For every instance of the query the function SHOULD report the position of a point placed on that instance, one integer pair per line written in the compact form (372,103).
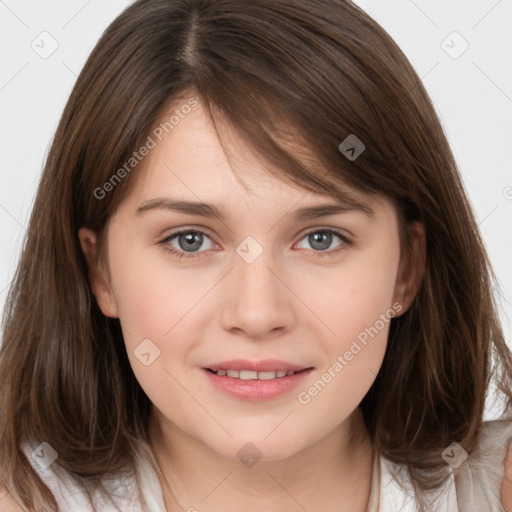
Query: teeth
(252,375)
(247,375)
(268,375)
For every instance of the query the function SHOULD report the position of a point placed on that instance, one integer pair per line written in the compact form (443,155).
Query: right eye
(186,242)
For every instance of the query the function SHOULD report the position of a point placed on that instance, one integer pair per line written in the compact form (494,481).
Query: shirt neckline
(374,499)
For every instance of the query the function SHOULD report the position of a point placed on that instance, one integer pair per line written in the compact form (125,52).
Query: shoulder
(493,445)
(491,464)
(8,503)
(482,481)
(118,492)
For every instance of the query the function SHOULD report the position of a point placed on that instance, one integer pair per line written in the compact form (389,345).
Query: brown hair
(328,70)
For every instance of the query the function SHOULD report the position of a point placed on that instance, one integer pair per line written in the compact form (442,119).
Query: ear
(412,267)
(97,276)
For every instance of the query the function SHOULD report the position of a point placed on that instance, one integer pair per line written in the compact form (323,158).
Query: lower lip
(256,390)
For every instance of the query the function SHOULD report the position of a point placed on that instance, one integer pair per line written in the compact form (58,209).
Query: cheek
(356,304)
(355,297)
(156,303)
(153,295)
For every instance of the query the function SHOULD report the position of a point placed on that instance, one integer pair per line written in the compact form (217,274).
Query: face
(260,284)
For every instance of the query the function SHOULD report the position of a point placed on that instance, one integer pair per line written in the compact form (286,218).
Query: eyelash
(346,242)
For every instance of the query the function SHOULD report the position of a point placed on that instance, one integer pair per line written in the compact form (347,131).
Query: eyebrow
(210,210)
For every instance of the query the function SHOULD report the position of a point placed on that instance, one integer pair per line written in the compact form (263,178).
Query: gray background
(472,92)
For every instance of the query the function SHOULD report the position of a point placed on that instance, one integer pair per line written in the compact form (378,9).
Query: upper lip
(267,365)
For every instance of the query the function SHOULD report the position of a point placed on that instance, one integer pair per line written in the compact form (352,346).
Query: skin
(294,302)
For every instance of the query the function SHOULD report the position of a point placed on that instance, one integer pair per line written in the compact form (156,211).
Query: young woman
(252,280)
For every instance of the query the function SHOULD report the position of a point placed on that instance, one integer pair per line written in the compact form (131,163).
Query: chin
(252,449)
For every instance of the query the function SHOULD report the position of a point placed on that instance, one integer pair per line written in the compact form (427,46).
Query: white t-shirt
(474,485)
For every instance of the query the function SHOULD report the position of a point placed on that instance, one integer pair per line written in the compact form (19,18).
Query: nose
(259,302)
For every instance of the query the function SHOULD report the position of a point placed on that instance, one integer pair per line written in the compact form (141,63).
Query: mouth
(254,375)
(256,380)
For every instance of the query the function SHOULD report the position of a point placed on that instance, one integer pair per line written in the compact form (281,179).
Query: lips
(254,375)
(256,380)
(268,365)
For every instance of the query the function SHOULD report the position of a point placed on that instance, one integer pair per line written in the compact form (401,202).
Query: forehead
(190,147)
(194,160)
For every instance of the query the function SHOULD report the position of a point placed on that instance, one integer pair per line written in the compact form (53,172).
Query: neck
(332,474)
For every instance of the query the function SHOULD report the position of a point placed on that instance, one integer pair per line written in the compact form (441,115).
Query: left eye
(321,239)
